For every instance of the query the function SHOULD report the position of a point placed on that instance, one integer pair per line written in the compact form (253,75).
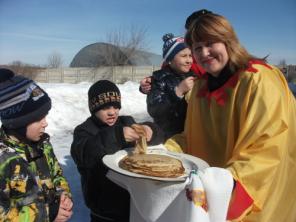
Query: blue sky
(30,30)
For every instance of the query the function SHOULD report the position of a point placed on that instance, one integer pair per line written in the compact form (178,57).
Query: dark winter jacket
(31,180)
(164,106)
(92,140)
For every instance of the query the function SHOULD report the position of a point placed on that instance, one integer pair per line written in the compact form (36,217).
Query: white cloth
(150,197)
(163,201)
(218,185)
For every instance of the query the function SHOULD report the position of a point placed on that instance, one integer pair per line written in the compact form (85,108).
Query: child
(32,186)
(166,102)
(105,132)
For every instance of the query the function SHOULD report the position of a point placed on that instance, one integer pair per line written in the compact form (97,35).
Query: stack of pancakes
(150,164)
(153,165)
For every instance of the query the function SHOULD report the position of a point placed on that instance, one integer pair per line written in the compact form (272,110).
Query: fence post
(62,74)
(47,78)
(133,74)
(94,75)
(113,74)
(77,74)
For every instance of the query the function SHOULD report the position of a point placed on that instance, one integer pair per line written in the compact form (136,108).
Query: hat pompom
(167,36)
(5,74)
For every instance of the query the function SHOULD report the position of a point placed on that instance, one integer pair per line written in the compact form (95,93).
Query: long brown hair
(216,28)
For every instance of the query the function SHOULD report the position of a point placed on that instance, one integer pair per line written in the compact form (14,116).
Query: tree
(124,45)
(24,69)
(283,67)
(282,63)
(55,60)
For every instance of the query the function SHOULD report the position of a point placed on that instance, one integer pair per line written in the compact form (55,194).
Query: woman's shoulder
(257,70)
(261,75)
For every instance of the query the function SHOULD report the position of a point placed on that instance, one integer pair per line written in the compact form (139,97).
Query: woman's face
(213,57)
(36,129)
(182,61)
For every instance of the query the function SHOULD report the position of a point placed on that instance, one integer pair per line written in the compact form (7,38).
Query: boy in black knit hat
(105,132)
(32,186)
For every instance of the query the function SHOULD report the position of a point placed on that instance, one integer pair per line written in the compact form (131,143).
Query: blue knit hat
(172,45)
(22,101)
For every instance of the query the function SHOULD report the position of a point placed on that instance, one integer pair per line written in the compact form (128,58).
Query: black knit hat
(22,101)
(102,94)
(195,16)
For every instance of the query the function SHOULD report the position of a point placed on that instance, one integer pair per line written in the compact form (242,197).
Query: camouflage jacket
(30,180)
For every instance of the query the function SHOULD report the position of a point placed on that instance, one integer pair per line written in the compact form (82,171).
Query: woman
(166,102)
(241,116)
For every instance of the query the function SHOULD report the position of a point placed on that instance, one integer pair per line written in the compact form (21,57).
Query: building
(105,54)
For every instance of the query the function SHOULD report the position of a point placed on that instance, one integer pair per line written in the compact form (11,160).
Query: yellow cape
(249,128)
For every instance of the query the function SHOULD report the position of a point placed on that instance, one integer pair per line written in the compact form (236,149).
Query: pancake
(141,144)
(153,165)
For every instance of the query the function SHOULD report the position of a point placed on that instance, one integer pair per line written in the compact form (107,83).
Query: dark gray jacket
(164,106)
(92,140)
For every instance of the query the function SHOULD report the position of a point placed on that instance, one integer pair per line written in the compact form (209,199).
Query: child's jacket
(31,180)
(92,140)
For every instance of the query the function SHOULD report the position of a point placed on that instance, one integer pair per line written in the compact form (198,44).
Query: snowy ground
(69,108)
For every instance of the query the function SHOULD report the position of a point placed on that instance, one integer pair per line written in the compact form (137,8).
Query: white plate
(189,162)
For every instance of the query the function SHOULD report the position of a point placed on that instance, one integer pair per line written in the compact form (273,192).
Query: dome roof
(104,54)
(95,55)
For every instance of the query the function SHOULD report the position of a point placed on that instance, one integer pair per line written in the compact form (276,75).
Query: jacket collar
(20,144)
(167,70)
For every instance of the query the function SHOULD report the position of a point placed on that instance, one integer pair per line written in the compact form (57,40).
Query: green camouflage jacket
(30,180)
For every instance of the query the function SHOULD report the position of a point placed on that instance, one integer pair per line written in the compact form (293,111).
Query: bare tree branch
(124,45)
(55,60)
(24,69)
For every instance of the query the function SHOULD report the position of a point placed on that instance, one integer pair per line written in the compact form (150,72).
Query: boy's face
(182,61)
(108,115)
(36,129)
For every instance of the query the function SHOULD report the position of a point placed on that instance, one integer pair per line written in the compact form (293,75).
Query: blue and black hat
(172,45)
(22,101)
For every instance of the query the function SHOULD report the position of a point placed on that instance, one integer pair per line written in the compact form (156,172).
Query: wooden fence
(117,74)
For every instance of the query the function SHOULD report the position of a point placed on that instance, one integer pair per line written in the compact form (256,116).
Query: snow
(70,108)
